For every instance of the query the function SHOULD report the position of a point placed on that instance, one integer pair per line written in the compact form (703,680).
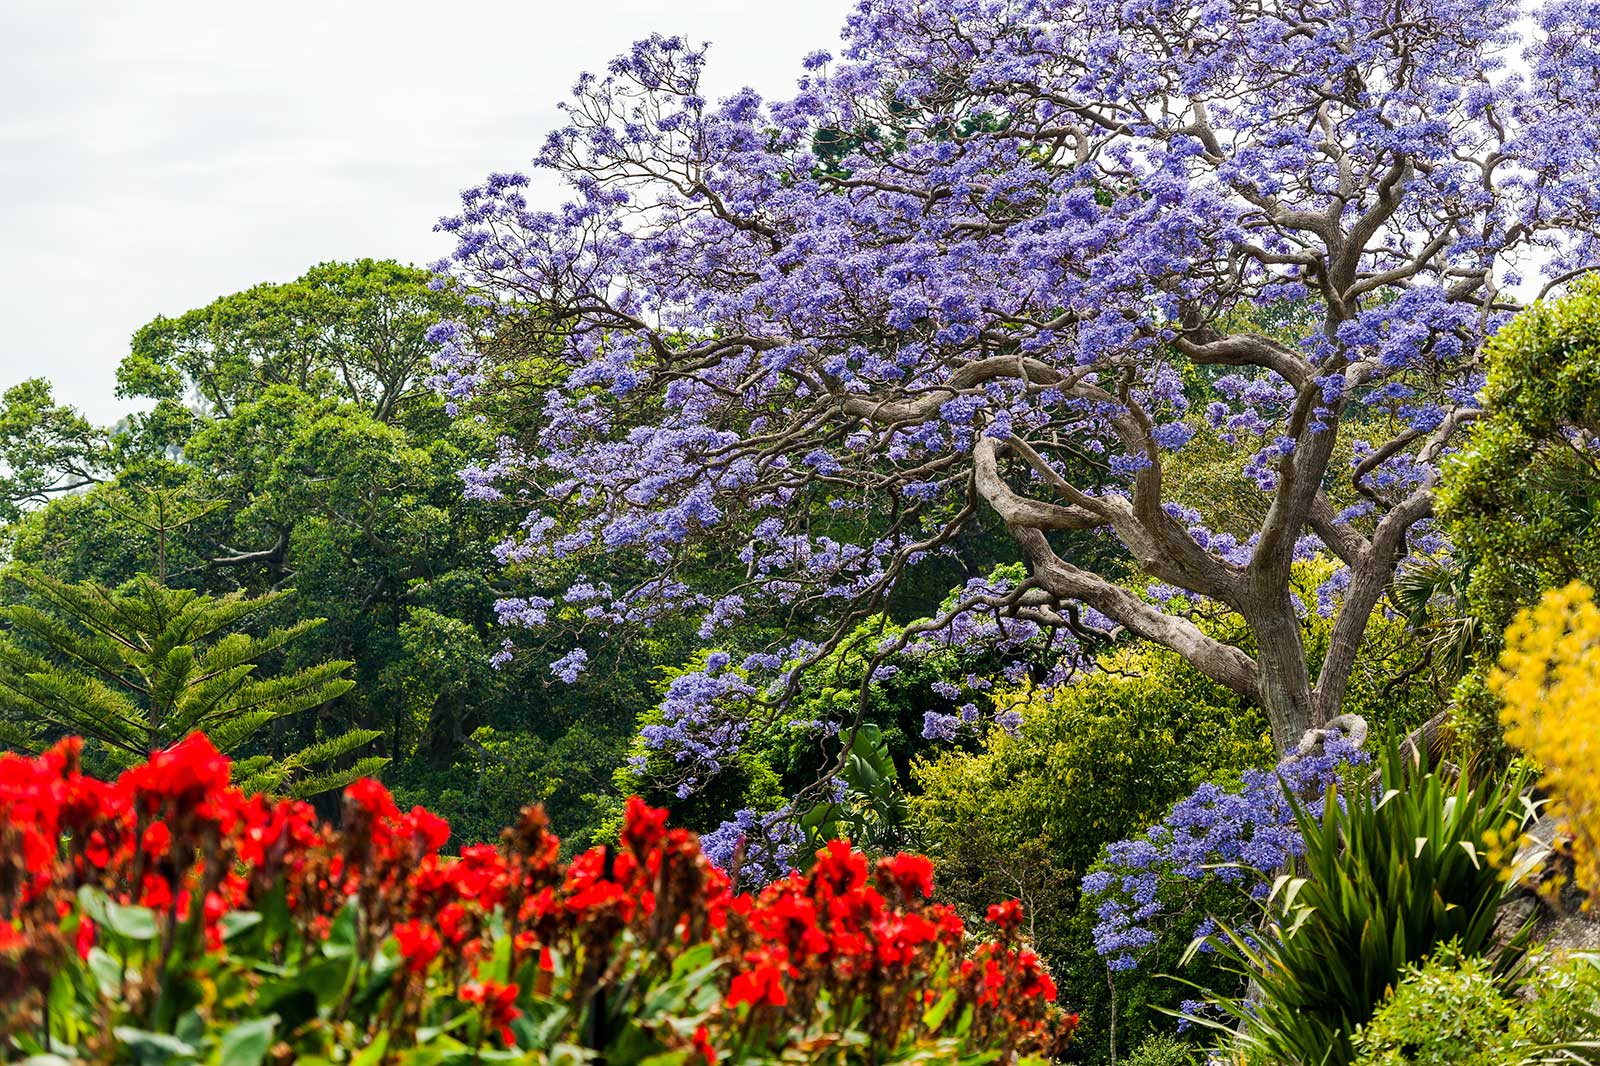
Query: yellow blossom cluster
(1549,681)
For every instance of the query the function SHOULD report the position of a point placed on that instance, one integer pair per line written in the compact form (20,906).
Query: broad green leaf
(372,1054)
(107,972)
(936,1014)
(247,1043)
(153,1047)
(135,923)
(235,922)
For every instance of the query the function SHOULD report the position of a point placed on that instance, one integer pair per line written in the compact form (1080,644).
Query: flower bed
(167,917)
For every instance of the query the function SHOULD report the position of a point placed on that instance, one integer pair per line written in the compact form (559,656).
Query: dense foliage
(167,917)
(1389,870)
(1523,500)
(1027,462)
(1454,1010)
(294,439)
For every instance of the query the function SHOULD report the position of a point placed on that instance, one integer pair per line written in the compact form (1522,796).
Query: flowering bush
(167,917)
(1216,837)
(1549,678)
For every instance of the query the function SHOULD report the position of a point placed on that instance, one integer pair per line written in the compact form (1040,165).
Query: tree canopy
(1522,500)
(1010,259)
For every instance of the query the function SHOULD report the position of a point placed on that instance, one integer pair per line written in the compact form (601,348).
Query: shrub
(1520,500)
(1164,1051)
(1093,760)
(1454,1010)
(166,917)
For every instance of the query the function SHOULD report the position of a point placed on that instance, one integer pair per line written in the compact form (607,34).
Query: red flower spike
(419,945)
(702,1045)
(156,840)
(370,796)
(643,826)
(762,986)
(190,776)
(1007,915)
(499,1003)
(911,874)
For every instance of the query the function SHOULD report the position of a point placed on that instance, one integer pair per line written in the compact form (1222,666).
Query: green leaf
(135,923)
(235,922)
(153,1047)
(936,1014)
(247,1043)
(341,940)
(92,901)
(372,1054)
(107,972)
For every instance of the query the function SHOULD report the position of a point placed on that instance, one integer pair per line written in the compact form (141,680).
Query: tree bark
(1284,685)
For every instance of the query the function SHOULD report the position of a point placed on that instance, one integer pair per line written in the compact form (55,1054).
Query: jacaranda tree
(1005,258)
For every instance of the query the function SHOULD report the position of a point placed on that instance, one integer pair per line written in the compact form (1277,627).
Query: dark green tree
(134,670)
(301,412)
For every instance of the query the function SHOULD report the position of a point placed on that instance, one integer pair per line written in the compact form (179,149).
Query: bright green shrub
(1164,1051)
(1095,761)
(1521,505)
(1454,1010)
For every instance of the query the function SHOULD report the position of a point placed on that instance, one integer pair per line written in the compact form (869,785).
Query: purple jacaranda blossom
(1003,259)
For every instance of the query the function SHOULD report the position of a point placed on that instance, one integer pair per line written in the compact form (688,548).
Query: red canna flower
(911,874)
(190,776)
(419,945)
(156,840)
(499,1004)
(1007,915)
(96,850)
(83,941)
(702,1045)
(371,797)
(839,868)
(426,830)
(761,986)
(643,826)
(454,922)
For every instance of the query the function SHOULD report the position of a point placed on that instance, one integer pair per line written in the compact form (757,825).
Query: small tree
(139,668)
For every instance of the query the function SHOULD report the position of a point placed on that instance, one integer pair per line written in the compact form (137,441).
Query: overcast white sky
(157,154)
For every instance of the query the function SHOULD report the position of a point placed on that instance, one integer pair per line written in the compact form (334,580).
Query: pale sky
(157,154)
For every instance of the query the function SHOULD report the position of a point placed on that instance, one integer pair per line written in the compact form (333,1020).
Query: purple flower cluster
(701,725)
(770,843)
(1233,838)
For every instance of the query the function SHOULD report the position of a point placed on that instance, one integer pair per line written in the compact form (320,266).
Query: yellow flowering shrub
(1549,680)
